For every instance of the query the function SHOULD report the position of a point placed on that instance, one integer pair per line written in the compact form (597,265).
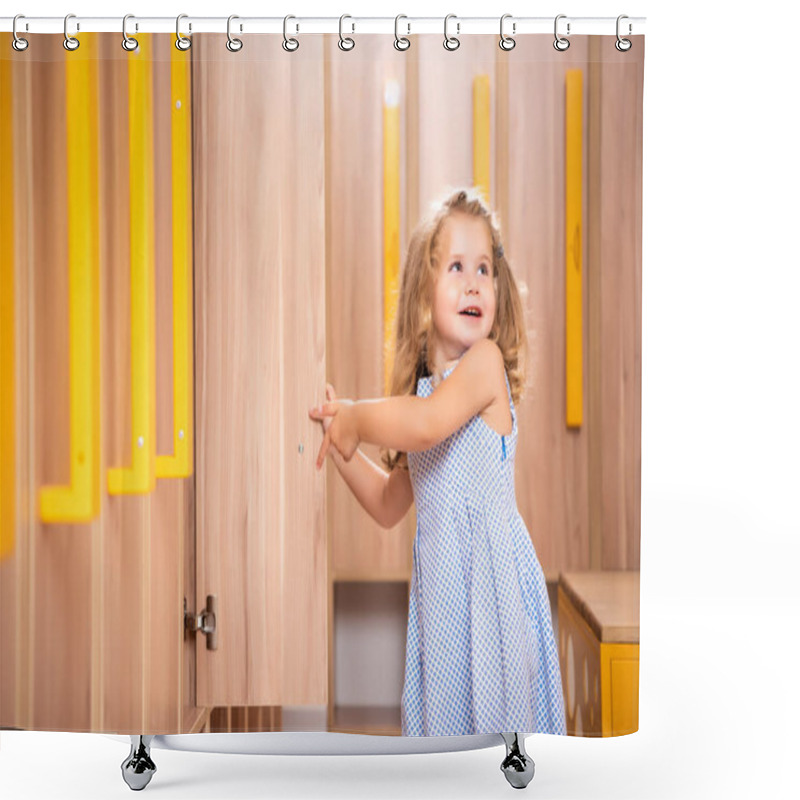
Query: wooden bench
(598,643)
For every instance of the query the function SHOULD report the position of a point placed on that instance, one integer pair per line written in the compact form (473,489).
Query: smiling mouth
(472,311)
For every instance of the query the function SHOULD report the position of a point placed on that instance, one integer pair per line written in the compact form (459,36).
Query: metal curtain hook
(234,45)
(506,42)
(561,43)
(289,44)
(128,43)
(451,42)
(345,43)
(181,42)
(623,45)
(70,42)
(401,43)
(18,44)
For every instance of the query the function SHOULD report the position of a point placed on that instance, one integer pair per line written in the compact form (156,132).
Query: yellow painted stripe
(140,476)
(180,464)
(80,501)
(481,142)
(391,220)
(574,248)
(619,688)
(8,481)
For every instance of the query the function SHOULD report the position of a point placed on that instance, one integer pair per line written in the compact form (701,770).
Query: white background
(719,610)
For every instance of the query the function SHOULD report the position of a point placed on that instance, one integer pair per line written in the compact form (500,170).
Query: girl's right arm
(385,497)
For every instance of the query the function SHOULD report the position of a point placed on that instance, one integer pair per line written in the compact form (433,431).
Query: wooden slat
(12,417)
(594,280)
(137,476)
(355,280)
(8,339)
(445,143)
(551,476)
(620,211)
(176,459)
(304,539)
(259,191)
(76,498)
(169,518)
(58,596)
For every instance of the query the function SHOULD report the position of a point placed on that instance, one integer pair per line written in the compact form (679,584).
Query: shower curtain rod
(513,26)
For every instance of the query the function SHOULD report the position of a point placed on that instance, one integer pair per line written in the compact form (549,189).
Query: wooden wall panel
(260,356)
(164,671)
(140,660)
(444,97)
(356,85)
(125,516)
(98,622)
(305,541)
(619,218)
(61,557)
(551,471)
(15,678)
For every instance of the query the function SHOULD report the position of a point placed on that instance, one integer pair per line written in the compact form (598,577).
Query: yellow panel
(80,500)
(179,465)
(8,481)
(619,688)
(391,219)
(481,143)
(574,248)
(140,476)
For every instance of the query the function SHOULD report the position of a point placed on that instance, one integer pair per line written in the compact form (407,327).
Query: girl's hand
(339,423)
(330,394)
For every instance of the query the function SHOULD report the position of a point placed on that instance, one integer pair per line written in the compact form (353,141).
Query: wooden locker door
(260,364)
(94,586)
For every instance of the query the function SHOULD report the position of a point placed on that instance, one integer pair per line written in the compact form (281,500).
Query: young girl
(480,651)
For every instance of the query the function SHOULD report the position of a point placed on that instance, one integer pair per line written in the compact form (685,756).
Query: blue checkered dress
(480,652)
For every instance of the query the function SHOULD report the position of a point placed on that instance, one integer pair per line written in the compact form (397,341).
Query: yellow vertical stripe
(8,448)
(481,142)
(391,220)
(140,476)
(574,247)
(180,464)
(80,501)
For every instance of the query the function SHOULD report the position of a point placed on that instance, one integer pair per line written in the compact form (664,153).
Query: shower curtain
(196,243)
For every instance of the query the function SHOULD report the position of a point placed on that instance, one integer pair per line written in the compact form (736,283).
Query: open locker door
(261,543)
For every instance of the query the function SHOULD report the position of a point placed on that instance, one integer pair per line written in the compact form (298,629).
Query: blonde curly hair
(414,319)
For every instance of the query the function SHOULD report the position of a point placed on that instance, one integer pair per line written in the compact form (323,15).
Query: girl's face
(464,295)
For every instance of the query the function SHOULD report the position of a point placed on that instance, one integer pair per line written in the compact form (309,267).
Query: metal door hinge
(204,622)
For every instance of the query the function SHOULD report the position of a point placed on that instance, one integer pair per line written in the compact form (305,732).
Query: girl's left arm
(410,423)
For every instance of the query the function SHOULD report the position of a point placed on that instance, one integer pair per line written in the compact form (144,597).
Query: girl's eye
(455,264)
(484,268)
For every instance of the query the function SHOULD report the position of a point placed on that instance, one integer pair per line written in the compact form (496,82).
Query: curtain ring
(401,43)
(70,42)
(506,42)
(128,42)
(234,45)
(18,44)
(451,42)
(561,44)
(181,42)
(289,44)
(623,45)
(345,43)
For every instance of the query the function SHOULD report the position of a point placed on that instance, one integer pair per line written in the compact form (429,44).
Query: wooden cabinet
(260,357)
(92,634)
(598,620)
